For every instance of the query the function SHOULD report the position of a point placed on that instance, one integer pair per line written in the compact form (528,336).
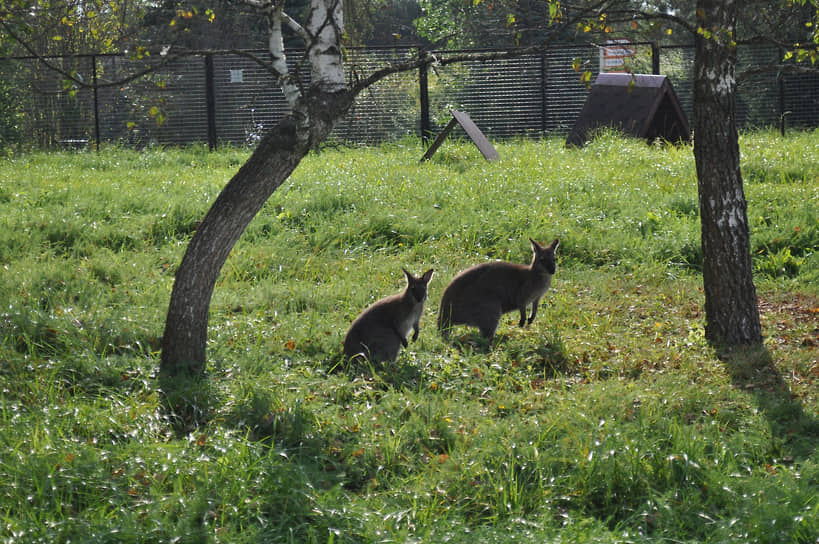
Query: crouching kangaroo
(380,331)
(479,295)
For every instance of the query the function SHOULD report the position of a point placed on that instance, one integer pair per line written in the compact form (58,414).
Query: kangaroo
(380,331)
(479,295)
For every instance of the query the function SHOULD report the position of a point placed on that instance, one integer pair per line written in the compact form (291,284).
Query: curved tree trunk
(731,310)
(276,156)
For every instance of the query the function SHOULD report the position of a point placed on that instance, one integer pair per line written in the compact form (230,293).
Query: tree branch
(427,57)
(68,75)
(294,25)
(745,75)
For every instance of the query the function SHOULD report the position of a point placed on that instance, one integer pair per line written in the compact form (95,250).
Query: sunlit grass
(609,419)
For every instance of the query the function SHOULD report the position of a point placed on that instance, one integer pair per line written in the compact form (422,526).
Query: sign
(614,54)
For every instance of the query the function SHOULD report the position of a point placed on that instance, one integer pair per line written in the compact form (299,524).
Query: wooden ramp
(471,129)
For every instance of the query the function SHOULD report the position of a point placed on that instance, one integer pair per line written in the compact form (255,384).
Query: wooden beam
(486,148)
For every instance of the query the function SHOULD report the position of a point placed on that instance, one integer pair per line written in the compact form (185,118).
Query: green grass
(609,419)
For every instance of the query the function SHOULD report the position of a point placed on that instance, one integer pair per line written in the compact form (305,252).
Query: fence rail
(229,98)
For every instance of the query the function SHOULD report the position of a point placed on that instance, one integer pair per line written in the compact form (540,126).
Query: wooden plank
(439,140)
(486,148)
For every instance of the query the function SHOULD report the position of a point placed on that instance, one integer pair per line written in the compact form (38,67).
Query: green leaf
(554,11)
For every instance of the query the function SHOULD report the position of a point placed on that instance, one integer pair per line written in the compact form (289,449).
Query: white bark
(286,81)
(325,26)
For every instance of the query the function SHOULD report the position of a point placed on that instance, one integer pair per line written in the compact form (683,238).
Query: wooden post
(486,148)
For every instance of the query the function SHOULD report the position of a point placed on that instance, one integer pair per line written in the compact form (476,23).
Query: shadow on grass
(187,402)
(753,369)
(399,373)
(541,352)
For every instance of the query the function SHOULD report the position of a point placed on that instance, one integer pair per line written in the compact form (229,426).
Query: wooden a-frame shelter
(639,105)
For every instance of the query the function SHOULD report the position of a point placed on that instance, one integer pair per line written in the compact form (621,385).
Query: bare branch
(438,59)
(745,75)
(625,15)
(294,25)
(68,75)
(429,58)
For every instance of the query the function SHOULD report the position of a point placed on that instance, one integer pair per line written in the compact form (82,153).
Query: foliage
(64,27)
(482,23)
(10,111)
(609,419)
(380,22)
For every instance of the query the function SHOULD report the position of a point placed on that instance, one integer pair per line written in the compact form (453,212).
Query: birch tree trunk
(315,111)
(731,309)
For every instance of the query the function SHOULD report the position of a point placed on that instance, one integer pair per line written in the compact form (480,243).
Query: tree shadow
(472,341)
(547,352)
(399,373)
(187,401)
(753,369)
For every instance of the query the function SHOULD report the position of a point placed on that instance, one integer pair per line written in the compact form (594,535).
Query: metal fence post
(210,99)
(96,102)
(655,58)
(423,83)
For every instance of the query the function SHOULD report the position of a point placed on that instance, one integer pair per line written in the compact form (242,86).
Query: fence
(229,98)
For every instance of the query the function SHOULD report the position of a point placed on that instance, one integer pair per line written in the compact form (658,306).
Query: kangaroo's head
(543,257)
(417,287)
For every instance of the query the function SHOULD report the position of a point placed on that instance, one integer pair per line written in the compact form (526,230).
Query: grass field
(608,420)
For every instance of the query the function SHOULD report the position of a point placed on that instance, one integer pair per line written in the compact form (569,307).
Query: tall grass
(609,419)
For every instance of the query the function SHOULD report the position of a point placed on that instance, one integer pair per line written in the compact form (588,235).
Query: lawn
(609,419)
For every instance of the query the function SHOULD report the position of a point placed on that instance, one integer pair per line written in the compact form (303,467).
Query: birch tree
(731,306)
(732,316)
(315,107)
(731,309)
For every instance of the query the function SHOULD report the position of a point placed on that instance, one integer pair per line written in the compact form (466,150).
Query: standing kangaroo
(380,331)
(479,295)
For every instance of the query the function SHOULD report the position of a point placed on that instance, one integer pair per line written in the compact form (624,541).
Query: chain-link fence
(231,98)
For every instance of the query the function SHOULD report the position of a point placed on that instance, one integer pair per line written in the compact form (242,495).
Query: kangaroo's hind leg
(487,320)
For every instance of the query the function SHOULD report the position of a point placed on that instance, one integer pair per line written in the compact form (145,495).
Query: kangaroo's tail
(444,316)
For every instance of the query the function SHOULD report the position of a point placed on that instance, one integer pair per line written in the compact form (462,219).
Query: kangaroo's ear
(554,244)
(409,276)
(427,275)
(535,246)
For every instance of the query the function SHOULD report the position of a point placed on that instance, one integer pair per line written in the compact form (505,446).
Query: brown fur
(479,295)
(380,331)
